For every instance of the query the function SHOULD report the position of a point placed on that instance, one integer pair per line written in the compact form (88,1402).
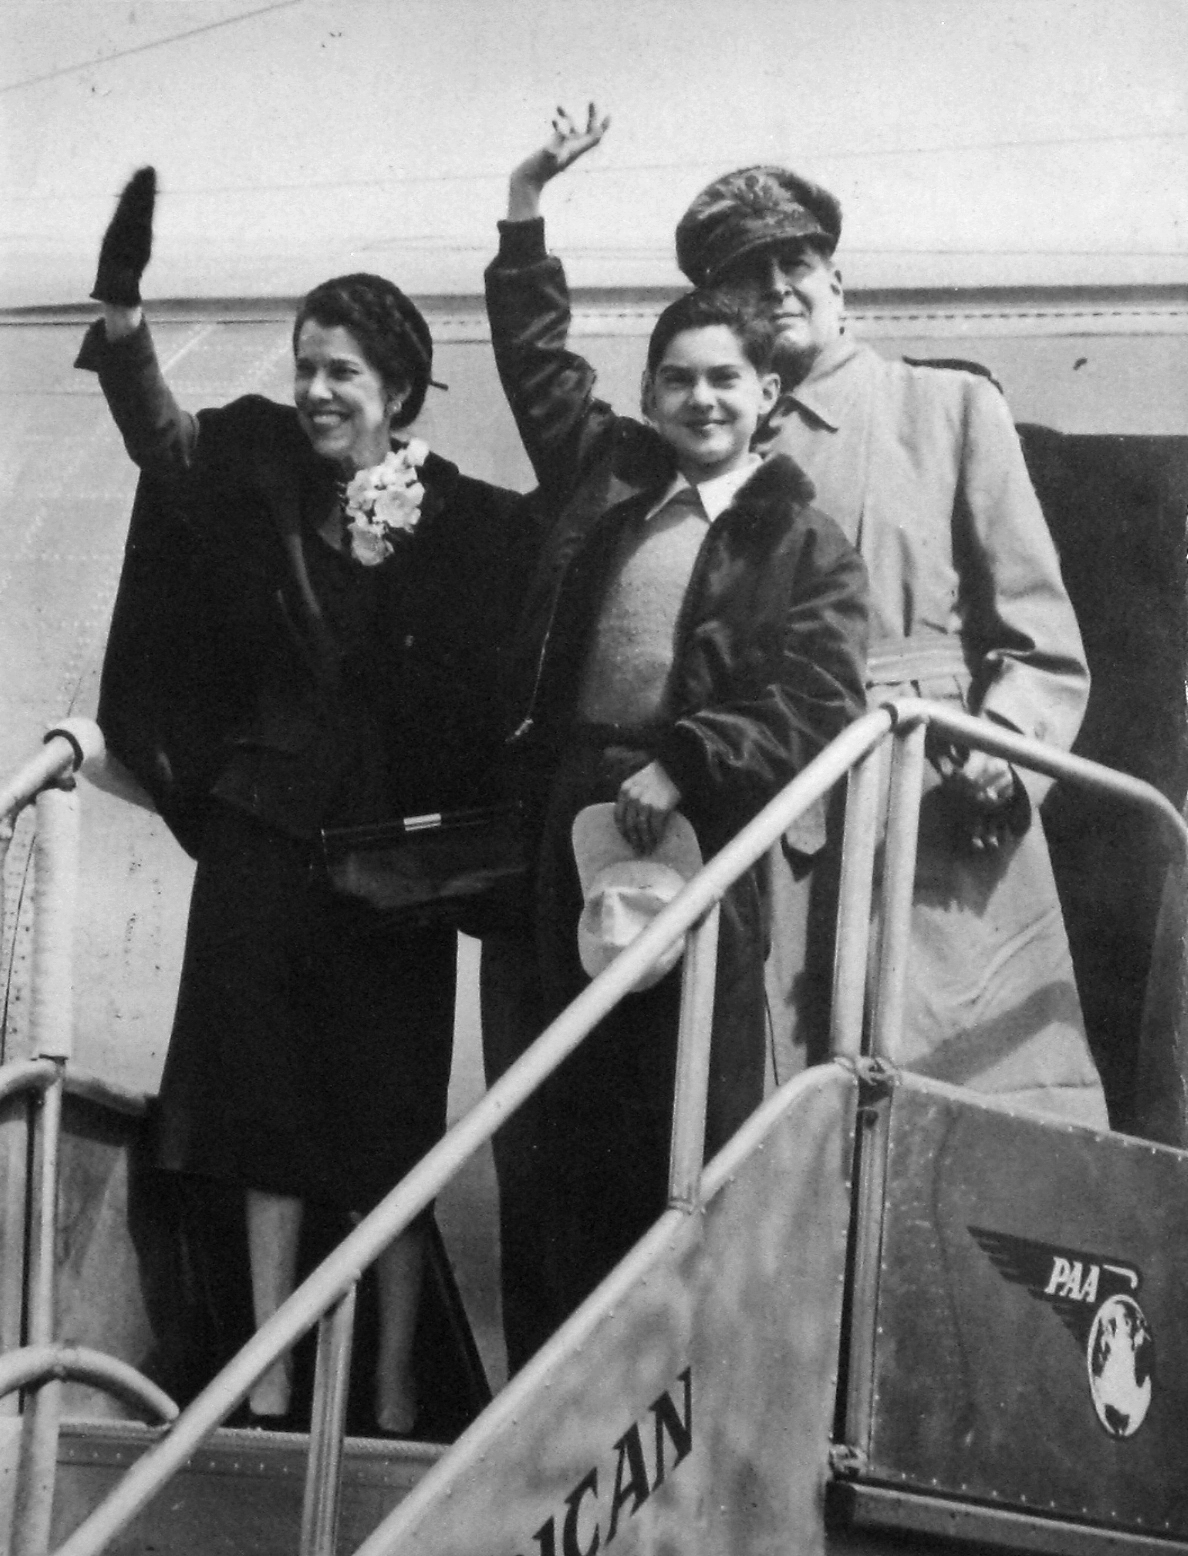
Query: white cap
(624,891)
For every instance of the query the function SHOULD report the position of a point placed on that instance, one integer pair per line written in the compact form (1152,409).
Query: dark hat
(748,210)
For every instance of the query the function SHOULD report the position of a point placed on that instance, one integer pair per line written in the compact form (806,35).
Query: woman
(274,669)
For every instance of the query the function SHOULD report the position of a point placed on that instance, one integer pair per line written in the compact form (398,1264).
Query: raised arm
(567,143)
(549,388)
(159,436)
(124,255)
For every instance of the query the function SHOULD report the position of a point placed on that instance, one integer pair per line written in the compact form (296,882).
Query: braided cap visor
(748,210)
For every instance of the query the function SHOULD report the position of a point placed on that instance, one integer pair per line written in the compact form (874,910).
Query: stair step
(240,1494)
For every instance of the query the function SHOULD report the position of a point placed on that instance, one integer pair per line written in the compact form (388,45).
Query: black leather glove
(128,242)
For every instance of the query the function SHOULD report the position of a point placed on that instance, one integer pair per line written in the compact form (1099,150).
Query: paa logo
(1095,1300)
(590,1521)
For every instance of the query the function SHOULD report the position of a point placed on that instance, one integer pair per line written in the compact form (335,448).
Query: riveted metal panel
(1031,1325)
(868,1520)
(240,1495)
(688,1405)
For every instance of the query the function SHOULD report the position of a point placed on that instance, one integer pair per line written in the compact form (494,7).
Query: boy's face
(705,399)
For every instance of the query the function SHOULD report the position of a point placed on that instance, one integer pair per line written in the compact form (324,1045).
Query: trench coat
(922,470)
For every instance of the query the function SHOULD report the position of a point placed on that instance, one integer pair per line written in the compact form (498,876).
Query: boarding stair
(889,1314)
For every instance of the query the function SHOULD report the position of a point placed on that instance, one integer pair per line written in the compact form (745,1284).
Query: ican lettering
(644,1456)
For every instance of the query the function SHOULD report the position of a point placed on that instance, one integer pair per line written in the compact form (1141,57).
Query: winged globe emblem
(1095,1298)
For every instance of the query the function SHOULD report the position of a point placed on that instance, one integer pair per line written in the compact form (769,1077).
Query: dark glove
(128,242)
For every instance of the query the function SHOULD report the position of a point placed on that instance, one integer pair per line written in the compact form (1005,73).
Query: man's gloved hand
(128,242)
(995,802)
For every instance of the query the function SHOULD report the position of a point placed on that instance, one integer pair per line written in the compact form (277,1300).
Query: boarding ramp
(1017,1345)
(885,1299)
(42,1363)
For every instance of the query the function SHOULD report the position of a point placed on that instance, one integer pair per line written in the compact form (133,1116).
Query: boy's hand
(644,804)
(567,143)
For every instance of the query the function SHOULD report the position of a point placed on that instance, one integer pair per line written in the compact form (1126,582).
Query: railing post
(899,875)
(1161,1090)
(323,1471)
(13,1180)
(52,1019)
(855,890)
(37,1458)
(6,830)
(55,895)
(698,981)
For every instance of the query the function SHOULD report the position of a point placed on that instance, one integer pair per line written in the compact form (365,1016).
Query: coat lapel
(777,486)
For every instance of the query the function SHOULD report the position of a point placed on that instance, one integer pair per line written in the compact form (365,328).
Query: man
(922,469)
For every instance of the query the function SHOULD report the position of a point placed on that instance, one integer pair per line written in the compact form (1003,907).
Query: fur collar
(779,479)
(646,464)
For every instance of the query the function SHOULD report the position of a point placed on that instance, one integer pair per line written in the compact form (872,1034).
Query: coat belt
(892,660)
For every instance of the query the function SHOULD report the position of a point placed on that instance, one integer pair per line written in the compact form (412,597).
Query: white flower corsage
(384,500)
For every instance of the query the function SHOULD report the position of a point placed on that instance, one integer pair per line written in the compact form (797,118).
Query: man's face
(800,291)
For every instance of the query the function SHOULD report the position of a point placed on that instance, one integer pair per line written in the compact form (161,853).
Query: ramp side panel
(689,1404)
(240,1495)
(1032,1315)
(118,1273)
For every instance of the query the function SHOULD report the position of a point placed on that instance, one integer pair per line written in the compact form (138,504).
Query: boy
(693,636)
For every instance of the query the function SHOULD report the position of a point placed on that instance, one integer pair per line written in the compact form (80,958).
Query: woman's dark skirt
(311,1048)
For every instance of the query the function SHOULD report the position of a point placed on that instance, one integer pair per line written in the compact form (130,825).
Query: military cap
(748,210)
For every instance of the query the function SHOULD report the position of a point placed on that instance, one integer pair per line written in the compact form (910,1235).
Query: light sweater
(627,669)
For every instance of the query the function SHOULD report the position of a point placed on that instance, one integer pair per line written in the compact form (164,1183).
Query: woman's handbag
(447,867)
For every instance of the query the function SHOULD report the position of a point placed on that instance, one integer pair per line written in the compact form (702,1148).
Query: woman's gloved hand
(128,242)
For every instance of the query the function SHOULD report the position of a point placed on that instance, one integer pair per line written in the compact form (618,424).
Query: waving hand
(128,242)
(569,141)
(565,145)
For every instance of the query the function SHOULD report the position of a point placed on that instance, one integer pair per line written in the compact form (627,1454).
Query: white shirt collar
(715,495)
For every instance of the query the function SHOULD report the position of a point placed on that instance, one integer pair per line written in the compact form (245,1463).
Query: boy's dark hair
(705,307)
(390,330)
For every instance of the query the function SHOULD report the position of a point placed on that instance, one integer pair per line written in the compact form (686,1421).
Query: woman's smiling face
(342,403)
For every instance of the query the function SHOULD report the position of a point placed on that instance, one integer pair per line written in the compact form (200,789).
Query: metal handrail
(41,1365)
(982,735)
(63,751)
(34,1364)
(335,1279)
(37,1075)
(343,1267)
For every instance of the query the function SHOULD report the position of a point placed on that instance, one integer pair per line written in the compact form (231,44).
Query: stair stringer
(688,1404)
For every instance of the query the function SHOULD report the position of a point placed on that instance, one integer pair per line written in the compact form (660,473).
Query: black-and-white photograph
(593,769)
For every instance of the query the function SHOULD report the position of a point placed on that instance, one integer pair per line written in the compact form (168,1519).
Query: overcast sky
(969,140)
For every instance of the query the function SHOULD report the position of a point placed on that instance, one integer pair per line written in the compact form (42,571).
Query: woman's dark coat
(261,685)
(220,675)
